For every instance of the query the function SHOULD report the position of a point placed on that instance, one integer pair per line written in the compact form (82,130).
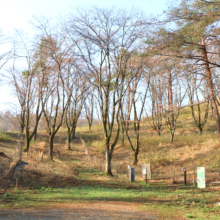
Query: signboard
(144,171)
(201,177)
(132,174)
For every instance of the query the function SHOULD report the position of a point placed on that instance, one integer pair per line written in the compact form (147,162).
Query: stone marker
(132,174)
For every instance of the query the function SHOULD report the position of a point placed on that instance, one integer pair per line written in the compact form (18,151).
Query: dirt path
(88,211)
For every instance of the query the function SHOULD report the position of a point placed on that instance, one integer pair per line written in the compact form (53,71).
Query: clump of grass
(90,138)
(99,145)
(4,137)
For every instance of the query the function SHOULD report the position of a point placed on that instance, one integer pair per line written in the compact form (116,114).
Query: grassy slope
(189,147)
(171,201)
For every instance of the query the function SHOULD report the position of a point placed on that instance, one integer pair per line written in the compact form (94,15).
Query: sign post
(132,174)
(201,177)
(184,170)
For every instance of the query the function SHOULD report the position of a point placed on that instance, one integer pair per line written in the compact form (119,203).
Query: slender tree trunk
(27,142)
(122,134)
(200,130)
(171,136)
(90,126)
(22,128)
(68,139)
(171,109)
(51,138)
(136,151)
(74,132)
(68,142)
(211,88)
(35,135)
(108,159)
(136,156)
(211,110)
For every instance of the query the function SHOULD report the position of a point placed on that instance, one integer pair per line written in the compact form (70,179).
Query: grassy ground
(71,179)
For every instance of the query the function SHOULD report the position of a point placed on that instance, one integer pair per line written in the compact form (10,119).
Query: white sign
(145,171)
(201,177)
(128,166)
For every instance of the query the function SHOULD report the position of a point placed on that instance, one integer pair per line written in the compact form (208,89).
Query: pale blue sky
(18,13)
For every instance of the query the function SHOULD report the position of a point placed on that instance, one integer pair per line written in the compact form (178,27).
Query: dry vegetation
(84,171)
(189,150)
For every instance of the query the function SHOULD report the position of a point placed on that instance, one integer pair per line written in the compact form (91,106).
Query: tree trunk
(212,110)
(90,126)
(171,109)
(27,143)
(211,88)
(171,136)
(122,134)
(74,132)
(108,170)
(22,128)
(68,141)
(35,135)
(136,157)
(51,146)
(200,130)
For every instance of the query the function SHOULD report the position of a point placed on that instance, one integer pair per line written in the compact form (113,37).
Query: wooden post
(194,179)
(145,174)
(184,170)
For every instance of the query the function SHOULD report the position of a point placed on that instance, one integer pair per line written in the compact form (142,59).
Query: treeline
(120,66)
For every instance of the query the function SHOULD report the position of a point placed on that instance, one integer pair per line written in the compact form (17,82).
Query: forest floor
(72,188)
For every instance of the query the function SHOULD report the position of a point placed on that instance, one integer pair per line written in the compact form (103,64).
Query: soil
(88,211)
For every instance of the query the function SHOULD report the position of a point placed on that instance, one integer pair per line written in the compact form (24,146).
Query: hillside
(77,176)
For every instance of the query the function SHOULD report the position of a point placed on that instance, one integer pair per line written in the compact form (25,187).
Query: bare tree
(174,98)
(106,39)
(75,107)
(158,98)
(57,84)
(89,106)
(138,99)
(28,87)
(199,99)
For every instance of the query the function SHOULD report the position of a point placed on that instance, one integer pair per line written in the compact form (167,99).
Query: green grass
(4,137)
(169,200)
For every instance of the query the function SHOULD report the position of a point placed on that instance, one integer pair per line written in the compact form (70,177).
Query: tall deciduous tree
(28,85)
(74,109)
(137,97)
(58,84)
(106,39)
